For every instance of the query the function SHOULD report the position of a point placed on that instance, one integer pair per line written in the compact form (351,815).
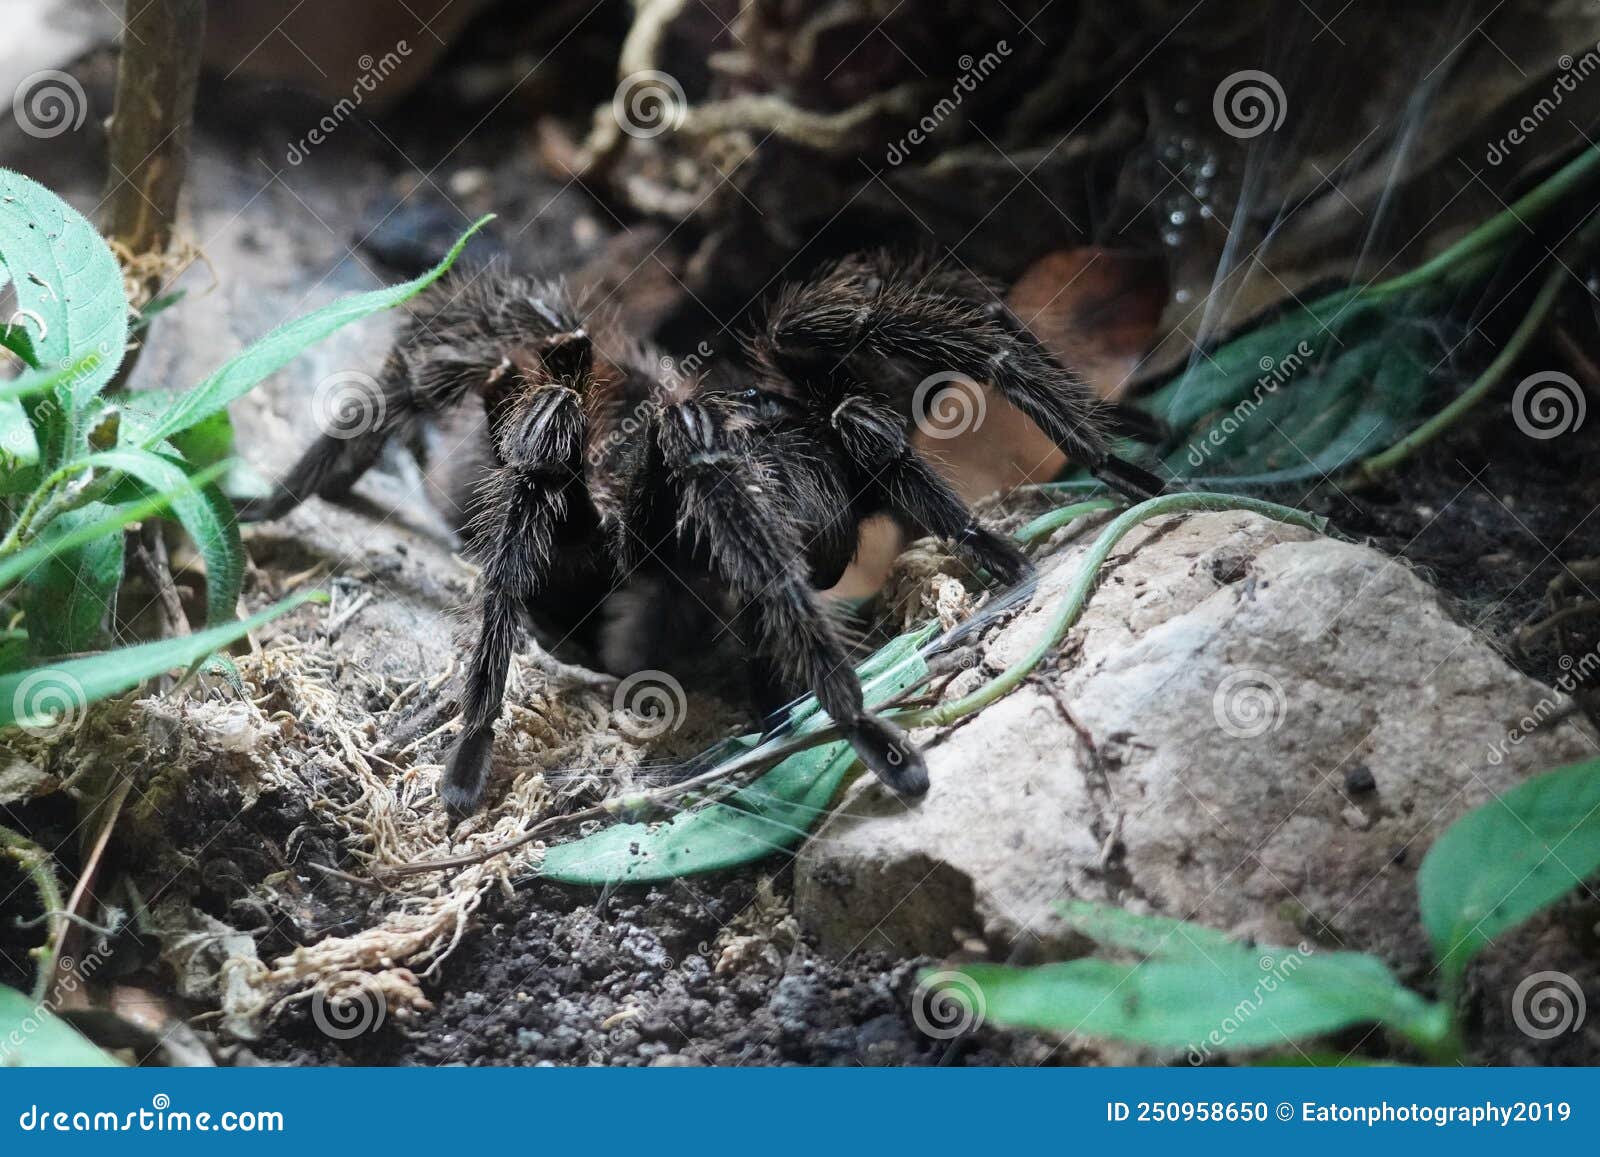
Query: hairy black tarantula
(597,465)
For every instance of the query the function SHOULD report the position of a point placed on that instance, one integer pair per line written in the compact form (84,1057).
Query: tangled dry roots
(201,760)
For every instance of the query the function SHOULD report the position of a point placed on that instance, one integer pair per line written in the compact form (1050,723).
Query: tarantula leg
(339,457)
(725,505)
(874,439)
(525,502)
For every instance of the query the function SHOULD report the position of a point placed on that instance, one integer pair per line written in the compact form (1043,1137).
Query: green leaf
(1195,990)
(33,1037)
(69,297)
(771,814)
(1502,862)
(71,596)
(32,697)
(206,516)
(1305,395)
(283,344)
(58,542)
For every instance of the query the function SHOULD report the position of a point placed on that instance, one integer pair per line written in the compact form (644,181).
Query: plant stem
(35,861)
(1078,595)
(1369,471)
(1048,523)
(1495,230)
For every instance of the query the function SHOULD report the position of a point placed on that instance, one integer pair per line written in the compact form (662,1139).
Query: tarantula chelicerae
(598,468)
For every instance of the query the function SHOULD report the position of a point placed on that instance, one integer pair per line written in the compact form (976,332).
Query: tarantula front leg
(524,505)
(338,458)
(874,439)
(726,506)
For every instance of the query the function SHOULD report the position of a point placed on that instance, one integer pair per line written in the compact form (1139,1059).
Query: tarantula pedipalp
(602,471)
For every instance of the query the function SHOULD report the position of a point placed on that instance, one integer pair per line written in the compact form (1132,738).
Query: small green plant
(79,464)
(1193,989)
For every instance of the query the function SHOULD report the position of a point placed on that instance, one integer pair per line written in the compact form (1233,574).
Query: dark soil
(545,978)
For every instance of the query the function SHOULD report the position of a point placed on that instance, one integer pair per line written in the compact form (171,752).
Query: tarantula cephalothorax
(599,469)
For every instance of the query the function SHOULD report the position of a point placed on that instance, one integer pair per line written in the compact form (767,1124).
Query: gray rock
(1188,755)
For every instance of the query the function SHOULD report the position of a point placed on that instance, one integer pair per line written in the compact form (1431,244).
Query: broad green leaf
(57,541)
(286,342)
(1502,862)
(71,596)
(69,296)
(771,814)
(1195,990)
(1304,395)
(37,696)
(31,1036)
(206,516)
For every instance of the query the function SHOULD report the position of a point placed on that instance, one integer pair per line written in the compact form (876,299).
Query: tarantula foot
(466,773)
(1132,481)
(267,507)
(891,756)
(997,556)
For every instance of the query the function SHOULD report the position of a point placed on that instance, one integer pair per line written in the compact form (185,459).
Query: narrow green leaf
(1514,856)
(31,1036)
(36,696)
(283,344)
(58,542)
(206,517)
(771,814)
(1196,990)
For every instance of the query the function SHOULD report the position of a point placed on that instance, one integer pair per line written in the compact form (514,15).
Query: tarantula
(598,467)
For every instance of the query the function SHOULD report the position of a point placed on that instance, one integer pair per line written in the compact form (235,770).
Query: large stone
(1251,726)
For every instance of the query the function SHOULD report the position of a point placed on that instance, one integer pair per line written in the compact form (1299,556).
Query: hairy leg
(526,501)
(727,510)
(862,313)
(874,440)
